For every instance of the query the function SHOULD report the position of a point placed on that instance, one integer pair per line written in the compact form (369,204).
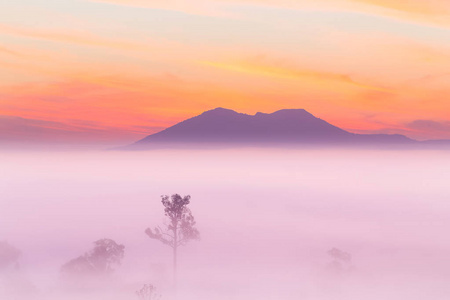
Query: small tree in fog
(99,261)
(9,256)
(341,261)
(181,227)
(12,280)
(148,292)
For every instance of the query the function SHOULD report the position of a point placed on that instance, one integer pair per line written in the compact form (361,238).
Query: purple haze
(267,220)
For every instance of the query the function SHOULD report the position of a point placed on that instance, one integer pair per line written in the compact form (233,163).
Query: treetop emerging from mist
(181,227)
(340,255)
(9,255)
(98,261)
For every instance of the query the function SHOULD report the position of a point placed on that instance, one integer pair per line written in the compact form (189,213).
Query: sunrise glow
(114,71)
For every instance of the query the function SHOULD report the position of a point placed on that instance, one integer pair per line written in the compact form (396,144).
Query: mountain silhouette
(222,126)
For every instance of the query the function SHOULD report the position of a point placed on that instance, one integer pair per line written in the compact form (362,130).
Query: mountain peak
(290,113)
(285,126)
(299,112)
(220,111)
(291,110)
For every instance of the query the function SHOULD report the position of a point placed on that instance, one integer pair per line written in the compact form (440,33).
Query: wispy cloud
(194,7)
(421,7)
(288,73)
(16,129)
(431,11)
(79,38)
(8,51)
(420,129)
(429,125)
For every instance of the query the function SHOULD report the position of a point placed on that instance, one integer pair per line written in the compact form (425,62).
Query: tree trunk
(175,246)
(175,266)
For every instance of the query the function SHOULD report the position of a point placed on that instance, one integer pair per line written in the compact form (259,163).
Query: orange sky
(112,71)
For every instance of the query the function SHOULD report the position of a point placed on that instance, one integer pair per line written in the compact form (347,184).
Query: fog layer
(267,219)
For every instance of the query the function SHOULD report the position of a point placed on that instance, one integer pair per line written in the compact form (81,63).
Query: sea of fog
(267,220)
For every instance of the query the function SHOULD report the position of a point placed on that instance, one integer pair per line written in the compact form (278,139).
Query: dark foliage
(148,292)
(99,261)
(9,256)
(181,227)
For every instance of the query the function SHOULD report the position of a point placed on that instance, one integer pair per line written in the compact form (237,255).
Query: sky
(114,71)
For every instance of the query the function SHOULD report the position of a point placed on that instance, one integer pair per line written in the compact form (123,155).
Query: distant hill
(436,144)
(226,127)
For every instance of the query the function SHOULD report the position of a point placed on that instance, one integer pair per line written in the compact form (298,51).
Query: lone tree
(181,226)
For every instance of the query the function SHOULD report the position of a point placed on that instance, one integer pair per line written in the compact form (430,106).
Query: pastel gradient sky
(113,71)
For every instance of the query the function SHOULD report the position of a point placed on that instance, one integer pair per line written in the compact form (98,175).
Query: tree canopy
(98,261)
(9,255)
(181,226)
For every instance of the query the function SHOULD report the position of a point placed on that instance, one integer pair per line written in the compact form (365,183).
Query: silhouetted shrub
(9,256)
(95,266)
(148,292)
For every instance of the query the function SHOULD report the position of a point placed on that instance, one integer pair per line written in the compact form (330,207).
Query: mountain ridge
(222,126)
